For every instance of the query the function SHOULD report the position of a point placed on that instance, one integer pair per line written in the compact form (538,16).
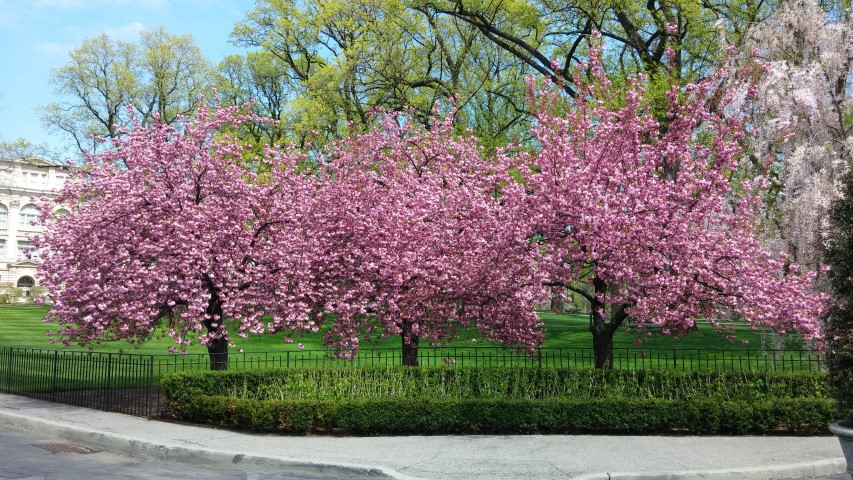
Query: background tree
(657,245)
(161,74)
(802,118)
(346,58)
(22,148)
(259,78)
(551,37)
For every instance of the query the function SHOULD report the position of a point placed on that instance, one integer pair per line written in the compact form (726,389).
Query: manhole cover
(65,448)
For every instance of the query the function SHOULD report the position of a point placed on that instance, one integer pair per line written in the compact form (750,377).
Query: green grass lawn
(22,326)
(568,343)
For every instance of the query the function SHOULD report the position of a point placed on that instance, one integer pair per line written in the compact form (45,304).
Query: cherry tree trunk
(410,346)
(218,351)
(602,329)
(602,344)
(557,305)
(218,348)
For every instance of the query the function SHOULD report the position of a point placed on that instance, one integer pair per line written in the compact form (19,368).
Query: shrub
(839,321)
(501,400)
(398,416)
(498,383)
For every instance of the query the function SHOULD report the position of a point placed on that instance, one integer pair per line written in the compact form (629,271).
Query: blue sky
(36,36)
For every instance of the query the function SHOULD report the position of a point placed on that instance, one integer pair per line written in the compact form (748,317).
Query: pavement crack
(411,465)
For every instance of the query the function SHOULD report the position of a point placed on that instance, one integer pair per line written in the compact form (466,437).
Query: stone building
(21,181)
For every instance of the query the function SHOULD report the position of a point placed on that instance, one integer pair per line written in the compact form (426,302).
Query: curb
(129,446)
(122,444)
(794,470)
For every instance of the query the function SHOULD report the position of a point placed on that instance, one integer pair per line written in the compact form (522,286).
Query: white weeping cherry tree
(804,115)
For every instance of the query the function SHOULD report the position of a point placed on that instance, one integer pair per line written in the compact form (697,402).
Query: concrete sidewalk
(437,457)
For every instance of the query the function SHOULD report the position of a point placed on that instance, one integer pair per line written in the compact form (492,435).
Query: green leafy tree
(258,78)
(550,37)
(344,59)
(161,74)
(22,148)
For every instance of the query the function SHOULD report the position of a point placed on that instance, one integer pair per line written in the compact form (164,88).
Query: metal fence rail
(128,383)
(104,381)
(632,358)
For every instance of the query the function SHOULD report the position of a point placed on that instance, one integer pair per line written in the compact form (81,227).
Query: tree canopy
(419,232)
(400,234)
(802,119)
(345,58)
(160,75)
(644,222)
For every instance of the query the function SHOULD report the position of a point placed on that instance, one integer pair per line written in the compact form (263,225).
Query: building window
(4,215)
(36,180)
(2,250)
(26,251)
(29,217)
(26,282)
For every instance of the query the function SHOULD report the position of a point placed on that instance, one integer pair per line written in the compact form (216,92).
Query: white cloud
(9,14)
(127,32)
(53,48)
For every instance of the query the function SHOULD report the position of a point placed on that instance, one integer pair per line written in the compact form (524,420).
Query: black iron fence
(622,358)
(104,381)
(128,383)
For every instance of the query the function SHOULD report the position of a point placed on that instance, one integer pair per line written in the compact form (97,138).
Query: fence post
(9,371)
(150,393)
(53,376)
(109,377)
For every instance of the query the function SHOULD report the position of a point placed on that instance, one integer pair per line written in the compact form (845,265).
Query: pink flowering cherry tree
(432,248)
(175,226)
(399,231)
(643,222)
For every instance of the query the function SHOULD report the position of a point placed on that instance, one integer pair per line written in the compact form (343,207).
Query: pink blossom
(644,222)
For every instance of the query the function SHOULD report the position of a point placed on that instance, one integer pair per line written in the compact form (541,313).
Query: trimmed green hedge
(495,383)
(445,416)
(403,400)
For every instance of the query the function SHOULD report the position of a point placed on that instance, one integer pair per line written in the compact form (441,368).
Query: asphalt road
(30,456)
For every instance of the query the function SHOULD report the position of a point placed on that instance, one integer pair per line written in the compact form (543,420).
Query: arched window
(29,216)
(4,215)
(61,212)
(26,282)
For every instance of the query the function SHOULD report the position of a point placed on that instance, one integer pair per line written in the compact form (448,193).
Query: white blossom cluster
(803,108)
